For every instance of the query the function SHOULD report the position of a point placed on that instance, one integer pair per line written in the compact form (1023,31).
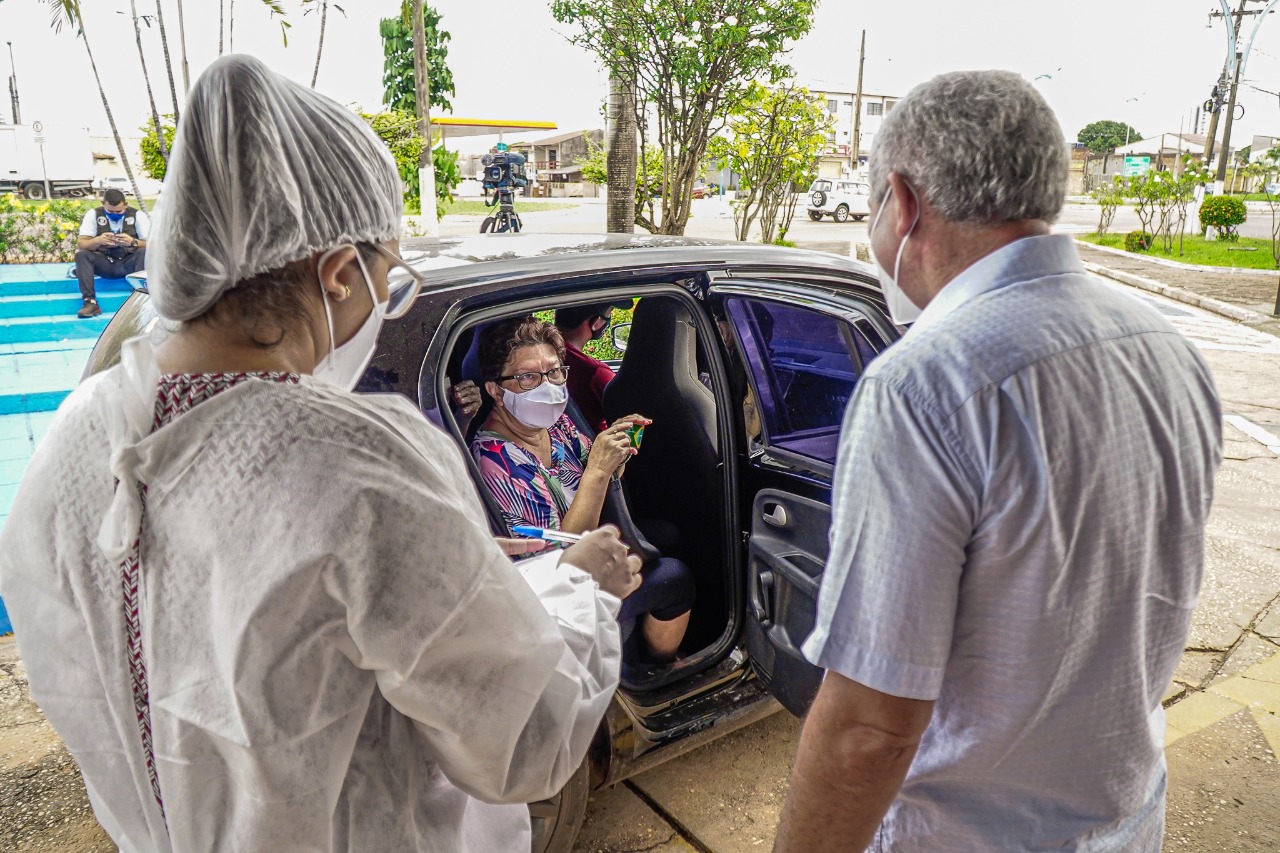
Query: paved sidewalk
(1252,295)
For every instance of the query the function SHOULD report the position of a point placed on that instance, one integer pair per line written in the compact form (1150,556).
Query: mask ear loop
(324,297)
(897,261)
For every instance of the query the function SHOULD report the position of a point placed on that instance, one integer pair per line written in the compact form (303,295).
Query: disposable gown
(339,655)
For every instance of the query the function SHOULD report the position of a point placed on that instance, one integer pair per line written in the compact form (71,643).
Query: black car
(719,329)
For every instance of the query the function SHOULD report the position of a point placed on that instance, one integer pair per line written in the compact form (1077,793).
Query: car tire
(841,214)
(556,821)
(819,198)
(486,225)
(815,215)
(34,191)
(858,217)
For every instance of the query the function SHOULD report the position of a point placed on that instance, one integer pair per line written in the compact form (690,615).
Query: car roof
(452,260)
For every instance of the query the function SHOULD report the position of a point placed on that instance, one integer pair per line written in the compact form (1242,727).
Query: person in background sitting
(587,376)
(112,244)
(542,472)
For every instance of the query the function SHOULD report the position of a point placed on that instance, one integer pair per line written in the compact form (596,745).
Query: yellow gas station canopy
(451,127)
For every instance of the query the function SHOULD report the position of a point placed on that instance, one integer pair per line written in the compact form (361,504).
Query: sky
(1147,62)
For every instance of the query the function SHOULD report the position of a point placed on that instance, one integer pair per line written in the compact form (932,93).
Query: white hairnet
(264,171)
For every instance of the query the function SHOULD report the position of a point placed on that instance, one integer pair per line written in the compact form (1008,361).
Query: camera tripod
(505,218)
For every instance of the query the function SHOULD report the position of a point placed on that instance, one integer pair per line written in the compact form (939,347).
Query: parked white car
(839,200)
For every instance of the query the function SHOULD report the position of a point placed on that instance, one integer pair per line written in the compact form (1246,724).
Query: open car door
(803,352)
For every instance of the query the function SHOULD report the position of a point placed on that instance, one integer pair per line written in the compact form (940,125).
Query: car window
(804,365)
(845,188)
(820,186)
(862,189)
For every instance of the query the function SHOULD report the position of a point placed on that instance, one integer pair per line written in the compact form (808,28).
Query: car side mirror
(620,334)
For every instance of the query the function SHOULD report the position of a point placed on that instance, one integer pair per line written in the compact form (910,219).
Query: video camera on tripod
(503,173)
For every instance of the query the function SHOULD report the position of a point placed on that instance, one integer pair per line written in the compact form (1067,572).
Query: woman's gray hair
(979,146)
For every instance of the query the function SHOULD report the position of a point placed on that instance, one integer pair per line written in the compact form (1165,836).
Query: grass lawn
(475,206)
(1197,250)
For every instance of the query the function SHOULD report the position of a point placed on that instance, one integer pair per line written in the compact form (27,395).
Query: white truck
(30,154)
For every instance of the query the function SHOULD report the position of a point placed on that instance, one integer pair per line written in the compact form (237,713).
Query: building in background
(555,163)
(836,161)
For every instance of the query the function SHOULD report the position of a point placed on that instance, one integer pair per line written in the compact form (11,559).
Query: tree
(397,69)
(162,143)
(168,63)
(68,12)
(648,182)
(1266,169)
(776,136)
(310,6)
(1109,197)
(691,64)
(399,130)
(1102,137)
(155,164)
(622,144)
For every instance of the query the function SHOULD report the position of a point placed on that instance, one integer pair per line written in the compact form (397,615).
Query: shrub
(1224,213)
(44,233)
(1138,241)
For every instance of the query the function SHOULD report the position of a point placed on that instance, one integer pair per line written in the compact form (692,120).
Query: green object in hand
(636,434)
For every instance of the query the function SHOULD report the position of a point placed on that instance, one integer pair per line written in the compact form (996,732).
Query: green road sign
(502,146)
(1134,166)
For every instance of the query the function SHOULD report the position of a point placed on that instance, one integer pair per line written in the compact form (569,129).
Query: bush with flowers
(39,234)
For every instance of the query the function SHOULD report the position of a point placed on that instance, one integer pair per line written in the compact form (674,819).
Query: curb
(1178,264)
(1208,303)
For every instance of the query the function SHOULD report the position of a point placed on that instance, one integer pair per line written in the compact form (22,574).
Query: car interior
(673,497)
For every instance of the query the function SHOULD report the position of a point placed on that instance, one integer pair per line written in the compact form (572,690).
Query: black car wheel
(819,198)
(815,215)
(34,191)
(858,217)
(842,213)
(556,821)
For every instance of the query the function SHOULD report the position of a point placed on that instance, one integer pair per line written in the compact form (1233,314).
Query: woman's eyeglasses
(531,380)
(404,283)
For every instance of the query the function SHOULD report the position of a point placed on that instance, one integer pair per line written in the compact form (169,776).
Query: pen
(543,533)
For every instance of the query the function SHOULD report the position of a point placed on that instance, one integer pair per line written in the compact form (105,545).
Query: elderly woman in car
(542,472)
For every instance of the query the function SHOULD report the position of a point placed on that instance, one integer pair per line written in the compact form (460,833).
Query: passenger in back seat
(541,471)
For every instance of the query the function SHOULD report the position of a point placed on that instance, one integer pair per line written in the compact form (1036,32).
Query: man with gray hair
(1019,512)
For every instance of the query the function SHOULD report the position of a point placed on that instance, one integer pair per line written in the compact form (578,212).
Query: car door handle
(776,515)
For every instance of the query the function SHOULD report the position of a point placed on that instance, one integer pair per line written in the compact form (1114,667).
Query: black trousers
(90,263)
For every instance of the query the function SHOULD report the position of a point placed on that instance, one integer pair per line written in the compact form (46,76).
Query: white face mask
(539,408)
(901,309)
(345,364)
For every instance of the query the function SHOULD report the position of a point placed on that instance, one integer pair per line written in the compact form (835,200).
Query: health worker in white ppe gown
(266,613)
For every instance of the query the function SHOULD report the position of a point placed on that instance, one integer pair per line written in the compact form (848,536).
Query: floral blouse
(527,491)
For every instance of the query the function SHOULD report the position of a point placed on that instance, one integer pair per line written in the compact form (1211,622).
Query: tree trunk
(222,26)
(168,67)
(111,119)
(324,15)
(422,94)
(622,154)
(231,26)
(182,43)
(146,78)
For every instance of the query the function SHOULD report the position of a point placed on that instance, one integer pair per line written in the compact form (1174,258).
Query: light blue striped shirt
(1018,533)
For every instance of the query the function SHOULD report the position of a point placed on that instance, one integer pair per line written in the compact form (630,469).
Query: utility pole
(856,142)
(13,87)
(1212,132)
(1236,60)
(422,94)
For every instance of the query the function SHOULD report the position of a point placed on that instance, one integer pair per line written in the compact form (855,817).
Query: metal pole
(1225,154)
(856,142)
(13,87)
(44,171)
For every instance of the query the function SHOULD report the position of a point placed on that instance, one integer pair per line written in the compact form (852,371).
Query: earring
(346,291)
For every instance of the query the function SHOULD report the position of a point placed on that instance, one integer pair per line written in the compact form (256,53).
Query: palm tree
(324,15)
(68,12)
(182,39)
(168,64)
(620,213)
(146,78)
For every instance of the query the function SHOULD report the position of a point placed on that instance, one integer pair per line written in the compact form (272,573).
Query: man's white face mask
(345,364)
(901,309)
